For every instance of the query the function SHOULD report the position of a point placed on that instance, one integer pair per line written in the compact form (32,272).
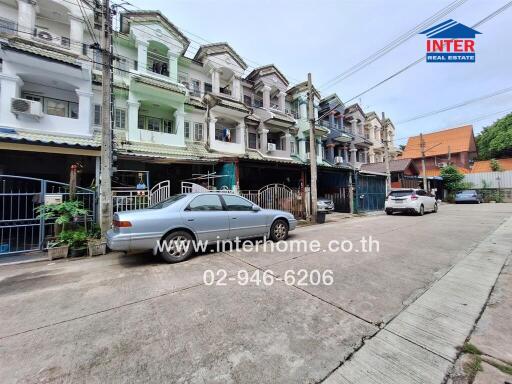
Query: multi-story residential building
(174,117)
(46,92)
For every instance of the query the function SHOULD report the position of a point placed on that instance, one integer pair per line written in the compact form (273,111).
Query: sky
(327,37)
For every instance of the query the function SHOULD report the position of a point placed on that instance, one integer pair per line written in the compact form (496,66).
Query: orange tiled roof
(437,171)
(459,139)
(485,165)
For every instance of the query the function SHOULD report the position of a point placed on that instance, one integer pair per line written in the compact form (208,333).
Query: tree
(452,179)
(495,165)
(496,139)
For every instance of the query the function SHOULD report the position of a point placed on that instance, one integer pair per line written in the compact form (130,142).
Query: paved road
(135,319)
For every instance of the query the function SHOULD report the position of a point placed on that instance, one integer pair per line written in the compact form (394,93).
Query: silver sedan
(195,218)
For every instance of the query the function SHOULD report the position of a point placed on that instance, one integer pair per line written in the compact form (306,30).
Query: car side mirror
(256,208)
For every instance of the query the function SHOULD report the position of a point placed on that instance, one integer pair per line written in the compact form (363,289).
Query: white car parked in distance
(410,200)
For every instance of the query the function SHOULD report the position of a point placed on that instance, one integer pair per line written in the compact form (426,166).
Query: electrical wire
(394,44)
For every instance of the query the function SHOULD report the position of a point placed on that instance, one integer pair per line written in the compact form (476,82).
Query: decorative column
(287,148)
(319,149)
(282,100)
(372,156)
(371,131)
(179,121)
(26,17)
(365,157)
(240,137)
(84,109)
(330,152)
(360,129)
(353,126)
(76,34)
(263,138)
(236,88)
(345,153)
(331,120)
(215,80)
(211,129)
(266,96)
(142,56)
(353,154)
(133,118)
(173,66)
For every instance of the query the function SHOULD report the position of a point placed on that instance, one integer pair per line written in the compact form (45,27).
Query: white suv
(416,201)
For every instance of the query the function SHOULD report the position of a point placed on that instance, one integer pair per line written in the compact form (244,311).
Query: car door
(426,199)
(206,216)
(243,220)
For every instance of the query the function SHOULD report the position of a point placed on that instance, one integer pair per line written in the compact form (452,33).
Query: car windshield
(403,193)
(468,192)
(166,203)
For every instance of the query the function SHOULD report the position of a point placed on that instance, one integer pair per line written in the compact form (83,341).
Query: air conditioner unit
(26,107)
(271,147)
(338,159)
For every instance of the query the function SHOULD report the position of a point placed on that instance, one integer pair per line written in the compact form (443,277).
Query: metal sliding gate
(278,196)
(371,192)
(20,228)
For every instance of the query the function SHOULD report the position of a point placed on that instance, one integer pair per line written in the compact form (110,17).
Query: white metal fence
(490,179)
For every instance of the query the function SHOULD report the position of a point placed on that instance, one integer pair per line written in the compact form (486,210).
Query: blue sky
(326,37)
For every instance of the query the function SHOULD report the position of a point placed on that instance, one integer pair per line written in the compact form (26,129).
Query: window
(207,87)
(258,102)
(247,99)
(198,132)
(196,88)
(210,202)
(168,127)
(97,114)
(187,130)
(225,134)
(282,142)
(153,124)
(236,203)
(55,107)
(292,147)
(98,59)
(120,118)
(253,140)
(140,122)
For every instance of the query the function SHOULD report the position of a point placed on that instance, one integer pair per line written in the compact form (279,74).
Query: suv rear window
(401,193)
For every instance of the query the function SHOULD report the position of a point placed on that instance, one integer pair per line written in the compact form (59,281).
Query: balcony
(8,27)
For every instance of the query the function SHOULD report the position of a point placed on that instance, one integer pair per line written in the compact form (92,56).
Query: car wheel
(422,210)
(177,246)
(389,212)
(279,230)
(435,208)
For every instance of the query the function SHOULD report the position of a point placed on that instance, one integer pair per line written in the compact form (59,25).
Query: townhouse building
(175,117)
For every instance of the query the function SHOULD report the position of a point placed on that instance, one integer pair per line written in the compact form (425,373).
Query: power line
(455,106)
(393,44)
(484,20)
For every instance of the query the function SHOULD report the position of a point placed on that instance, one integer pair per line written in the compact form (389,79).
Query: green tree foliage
(452,178)
(496,139)
(495,165)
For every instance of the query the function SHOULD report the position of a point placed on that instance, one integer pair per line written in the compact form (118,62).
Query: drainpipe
(207,130)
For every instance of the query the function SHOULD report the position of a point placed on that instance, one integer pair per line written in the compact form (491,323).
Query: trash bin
(320,217)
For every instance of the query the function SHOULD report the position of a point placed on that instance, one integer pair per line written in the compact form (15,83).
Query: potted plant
(64,213)
(57,250)
(95,244)
(76,239)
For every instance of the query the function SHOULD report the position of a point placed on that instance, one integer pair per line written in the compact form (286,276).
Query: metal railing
(130,199)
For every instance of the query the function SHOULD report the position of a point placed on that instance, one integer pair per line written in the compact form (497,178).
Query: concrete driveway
(133,318)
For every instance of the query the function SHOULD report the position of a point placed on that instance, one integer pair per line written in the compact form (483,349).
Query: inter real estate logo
(450,42)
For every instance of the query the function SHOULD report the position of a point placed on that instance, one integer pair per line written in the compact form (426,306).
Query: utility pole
(386,153)
(312,150)
(424,172)
(106,128)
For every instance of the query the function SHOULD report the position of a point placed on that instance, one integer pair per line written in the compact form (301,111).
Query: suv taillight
(414,197)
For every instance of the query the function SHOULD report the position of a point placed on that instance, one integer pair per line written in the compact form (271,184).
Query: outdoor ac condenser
(26,107)
(271,147)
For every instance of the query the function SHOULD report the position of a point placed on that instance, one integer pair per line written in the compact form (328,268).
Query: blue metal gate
(370,192)
(20,228)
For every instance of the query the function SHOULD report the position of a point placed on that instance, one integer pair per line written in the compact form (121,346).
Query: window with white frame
(293,148)
(253,140)
(282,142)
(120,118)
(198,132)
(97,114)
(55,107)
(188,135)
(195,87)
(156,124)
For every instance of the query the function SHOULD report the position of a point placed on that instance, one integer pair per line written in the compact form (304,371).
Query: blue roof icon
(450,29)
